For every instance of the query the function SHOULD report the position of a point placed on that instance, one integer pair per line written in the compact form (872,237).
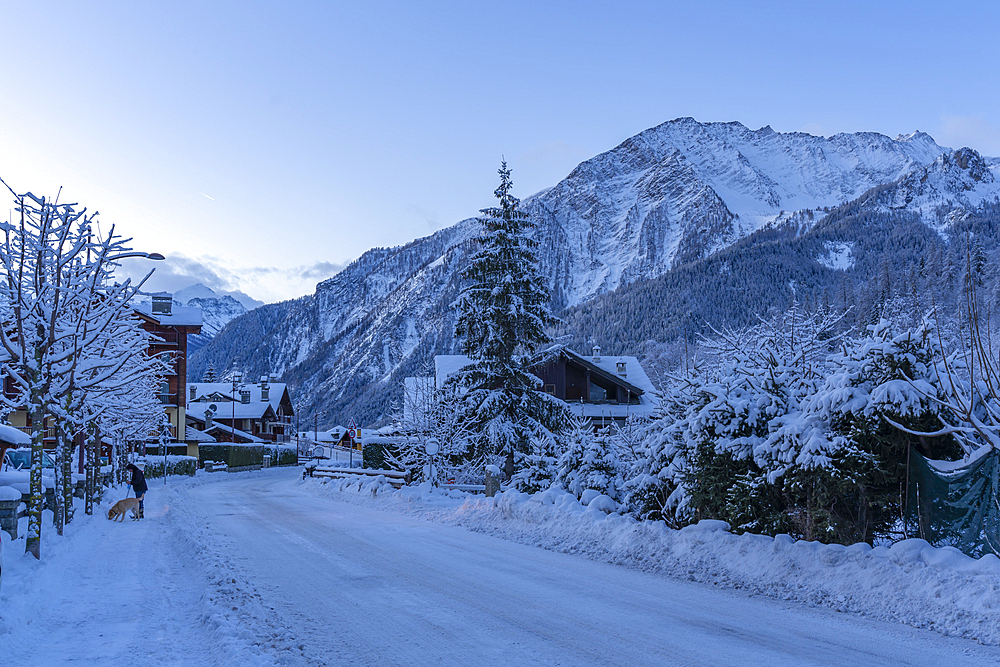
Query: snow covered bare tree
(61,303)
(502,318)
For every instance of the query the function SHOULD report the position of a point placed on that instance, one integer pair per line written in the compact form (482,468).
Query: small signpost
(430,470)
(352,433)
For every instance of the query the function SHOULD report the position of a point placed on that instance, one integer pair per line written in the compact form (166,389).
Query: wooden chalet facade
(575,378)
(603,389)
(170,326)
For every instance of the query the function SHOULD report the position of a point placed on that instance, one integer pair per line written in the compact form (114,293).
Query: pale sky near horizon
(263,146)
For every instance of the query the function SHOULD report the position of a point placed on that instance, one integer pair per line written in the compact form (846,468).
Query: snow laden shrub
(653,489)
(794,431)
(874,382)
(588,462)
(736,452)
(539,467)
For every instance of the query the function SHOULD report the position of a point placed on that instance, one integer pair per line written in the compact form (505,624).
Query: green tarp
(956,503)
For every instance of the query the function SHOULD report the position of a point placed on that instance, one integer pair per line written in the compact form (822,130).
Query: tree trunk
(66,460)
(91,467)
(863,515)
(58,515)
(36,497)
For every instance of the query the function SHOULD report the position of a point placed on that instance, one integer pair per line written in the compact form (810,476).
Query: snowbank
(910,582)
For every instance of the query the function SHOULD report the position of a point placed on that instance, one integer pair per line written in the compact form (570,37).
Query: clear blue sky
(261,146)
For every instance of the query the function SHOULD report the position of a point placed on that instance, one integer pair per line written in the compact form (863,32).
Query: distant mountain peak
(196,291)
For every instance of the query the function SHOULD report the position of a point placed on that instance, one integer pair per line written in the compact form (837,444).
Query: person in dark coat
(138,482)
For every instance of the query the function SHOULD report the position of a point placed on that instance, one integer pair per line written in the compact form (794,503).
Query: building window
(597,393)
(550,389)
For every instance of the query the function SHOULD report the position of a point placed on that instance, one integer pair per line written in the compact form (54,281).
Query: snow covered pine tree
(502,315)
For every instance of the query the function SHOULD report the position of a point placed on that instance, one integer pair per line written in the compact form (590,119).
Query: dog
(119,509)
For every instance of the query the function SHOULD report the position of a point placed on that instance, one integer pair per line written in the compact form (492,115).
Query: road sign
(352,433)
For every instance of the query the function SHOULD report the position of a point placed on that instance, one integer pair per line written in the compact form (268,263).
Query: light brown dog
(119,509)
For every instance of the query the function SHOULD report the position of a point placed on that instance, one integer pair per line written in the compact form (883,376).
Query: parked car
(20,459)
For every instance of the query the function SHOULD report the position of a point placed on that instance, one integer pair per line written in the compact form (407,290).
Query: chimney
(194,392)
(245,396)
(597,353)
(162,303)
(621,369)
(265,393)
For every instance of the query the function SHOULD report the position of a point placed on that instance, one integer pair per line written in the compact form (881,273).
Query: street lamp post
(136,253)
(232,424)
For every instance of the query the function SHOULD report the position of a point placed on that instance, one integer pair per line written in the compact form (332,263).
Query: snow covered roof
(634,375)
(276,392)
(448,364)
(242,435)
(228,410)
(332,436)
(194,435)
(613,411)
(180,316)
(12,436)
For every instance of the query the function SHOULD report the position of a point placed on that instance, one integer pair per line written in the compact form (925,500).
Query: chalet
(170,326)
(605,389)
(239,412)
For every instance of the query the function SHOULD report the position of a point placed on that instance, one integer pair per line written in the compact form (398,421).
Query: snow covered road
(358,586)
(254,569)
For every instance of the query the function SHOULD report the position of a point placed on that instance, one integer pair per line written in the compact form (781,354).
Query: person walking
(138,482)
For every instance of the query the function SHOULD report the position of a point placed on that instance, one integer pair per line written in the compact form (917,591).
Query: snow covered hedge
(153,466)
(238,455)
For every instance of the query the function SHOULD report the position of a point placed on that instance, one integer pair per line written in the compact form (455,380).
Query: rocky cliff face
(668,197)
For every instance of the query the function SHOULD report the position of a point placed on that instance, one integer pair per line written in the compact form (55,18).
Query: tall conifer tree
(502,315)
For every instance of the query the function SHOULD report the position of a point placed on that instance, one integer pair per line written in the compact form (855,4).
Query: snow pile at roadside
(910,582)
(141,580)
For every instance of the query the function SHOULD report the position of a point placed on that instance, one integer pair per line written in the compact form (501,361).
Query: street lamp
(164,430)
(236,385)
(136,253)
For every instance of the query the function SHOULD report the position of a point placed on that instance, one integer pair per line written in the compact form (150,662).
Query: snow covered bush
(175,465)
(793,429)
(539,467)
(588,462)
(653,486)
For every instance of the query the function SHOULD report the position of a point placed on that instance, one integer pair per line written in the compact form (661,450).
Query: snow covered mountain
(217,312)
(667,198)
(682,190)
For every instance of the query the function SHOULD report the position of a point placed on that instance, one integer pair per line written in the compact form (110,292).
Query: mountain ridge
(670,196)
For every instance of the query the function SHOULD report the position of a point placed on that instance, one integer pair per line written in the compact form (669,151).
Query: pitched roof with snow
(237,433)
(180,316)
(277,391)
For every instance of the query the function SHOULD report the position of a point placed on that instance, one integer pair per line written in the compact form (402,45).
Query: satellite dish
(431,447)
(212,407)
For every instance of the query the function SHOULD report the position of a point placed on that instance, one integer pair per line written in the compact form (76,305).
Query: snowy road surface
(297,579)
(360,586)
